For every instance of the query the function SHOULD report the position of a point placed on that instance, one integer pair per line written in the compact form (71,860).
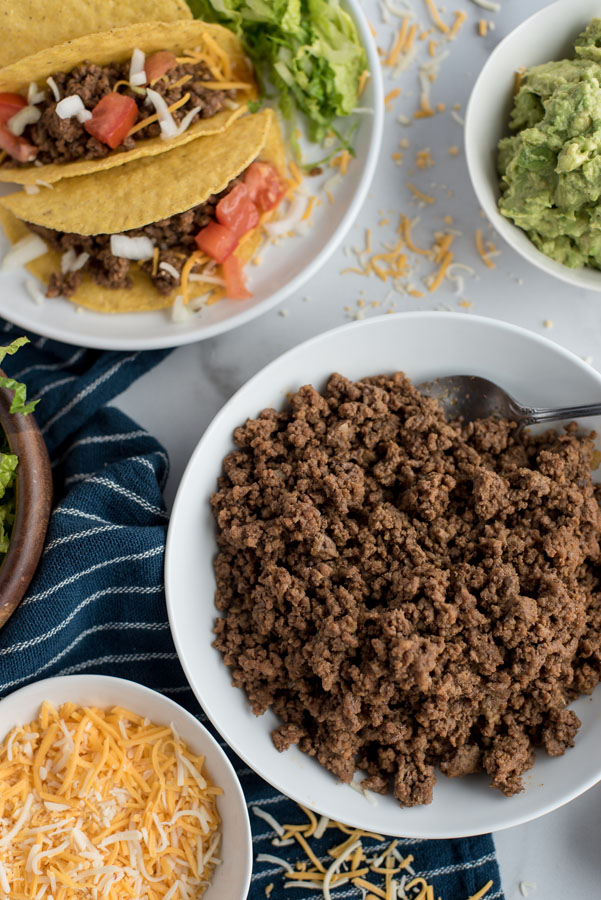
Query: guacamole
(550,167)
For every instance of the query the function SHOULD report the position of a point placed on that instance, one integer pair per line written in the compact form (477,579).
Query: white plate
(284,268)
(547,35)
(424,345)
(232,878)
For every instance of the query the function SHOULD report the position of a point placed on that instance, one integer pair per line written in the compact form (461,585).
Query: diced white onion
(171,270)
(137,73)
(26,116)
(183,124)
(131,247)
(80,261)
(34,95)
(24,251)
(54,88)
(72,262)
(72,106)
(179,311)
(290,221)
(67,260)
(167,123)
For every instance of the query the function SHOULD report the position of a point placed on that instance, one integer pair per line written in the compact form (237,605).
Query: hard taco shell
(117,200)
(31,25)
(116,46)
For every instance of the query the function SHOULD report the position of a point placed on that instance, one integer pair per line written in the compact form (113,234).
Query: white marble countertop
(558,853)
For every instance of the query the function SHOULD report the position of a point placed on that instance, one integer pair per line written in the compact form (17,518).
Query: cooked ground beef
(65,140)
(173,236)
(405,592)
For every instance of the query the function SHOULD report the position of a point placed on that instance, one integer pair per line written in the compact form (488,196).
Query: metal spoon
(470,397)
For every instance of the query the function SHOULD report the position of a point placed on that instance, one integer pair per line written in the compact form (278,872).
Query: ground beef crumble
(174,238)
(406,593)
(65,140)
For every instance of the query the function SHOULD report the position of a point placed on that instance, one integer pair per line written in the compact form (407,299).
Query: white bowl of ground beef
(424,346)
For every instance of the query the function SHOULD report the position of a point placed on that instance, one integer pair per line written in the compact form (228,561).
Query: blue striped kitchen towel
(97,603)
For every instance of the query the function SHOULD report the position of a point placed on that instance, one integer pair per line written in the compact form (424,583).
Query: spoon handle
(535,416)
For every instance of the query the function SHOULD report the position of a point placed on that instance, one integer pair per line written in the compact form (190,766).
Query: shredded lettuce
(9,461)
(308,49)
(19,404)
(8,477)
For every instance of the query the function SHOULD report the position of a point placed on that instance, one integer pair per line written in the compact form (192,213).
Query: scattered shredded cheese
(351,863)
(483,254)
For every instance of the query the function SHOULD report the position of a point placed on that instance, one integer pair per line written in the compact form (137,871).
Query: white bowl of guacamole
(534,155)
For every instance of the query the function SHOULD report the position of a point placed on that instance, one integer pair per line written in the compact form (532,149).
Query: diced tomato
(159,63)
(112,118)
(235,282)
(16,146)
(216,241)
(237,211)
(265,186)
(10,104)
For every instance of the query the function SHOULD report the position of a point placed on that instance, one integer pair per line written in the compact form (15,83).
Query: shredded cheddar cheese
(410,38)
(390,96)
(460,17)
(435,16)
(103,804)
(365,74)
(227,85)
(399,43)
(424,198)
(483,254)
(183,80)
(214,49)
(195,258)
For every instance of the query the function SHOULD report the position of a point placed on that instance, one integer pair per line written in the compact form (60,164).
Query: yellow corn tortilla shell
(142,296)
(146,190)
(27,26)
(116,46)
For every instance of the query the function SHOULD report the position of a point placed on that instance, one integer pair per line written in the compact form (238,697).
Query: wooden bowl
(34,500)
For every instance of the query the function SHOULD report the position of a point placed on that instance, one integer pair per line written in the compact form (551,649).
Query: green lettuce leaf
(8,477)
(19,403)
(308,49)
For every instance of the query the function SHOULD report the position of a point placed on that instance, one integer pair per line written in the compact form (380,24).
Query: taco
(31,25)
(113,245)
(105,99)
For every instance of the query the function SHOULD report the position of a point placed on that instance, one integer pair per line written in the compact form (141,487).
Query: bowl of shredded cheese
(110,790)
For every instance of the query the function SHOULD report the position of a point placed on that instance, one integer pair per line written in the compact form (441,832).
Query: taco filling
(93,110)
(191,244)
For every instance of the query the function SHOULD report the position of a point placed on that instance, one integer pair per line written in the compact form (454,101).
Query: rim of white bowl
(512,234)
